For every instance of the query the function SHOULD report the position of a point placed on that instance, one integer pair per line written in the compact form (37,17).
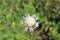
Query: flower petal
(31,29)
(26,28)
(37,24)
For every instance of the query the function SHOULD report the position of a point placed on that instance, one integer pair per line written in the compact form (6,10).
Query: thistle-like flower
(30,22)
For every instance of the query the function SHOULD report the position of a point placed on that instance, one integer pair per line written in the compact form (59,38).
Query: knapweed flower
(30,22)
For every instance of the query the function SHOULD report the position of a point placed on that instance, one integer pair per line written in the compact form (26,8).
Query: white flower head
(29,22)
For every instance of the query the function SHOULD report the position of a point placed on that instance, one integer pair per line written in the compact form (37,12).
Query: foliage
(11,12)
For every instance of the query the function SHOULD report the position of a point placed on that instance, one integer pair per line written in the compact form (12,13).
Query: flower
(13,23)
(51,28)
(30,22)
(37,24)
(26,28)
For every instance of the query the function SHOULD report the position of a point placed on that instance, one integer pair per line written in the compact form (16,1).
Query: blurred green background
(11,12)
